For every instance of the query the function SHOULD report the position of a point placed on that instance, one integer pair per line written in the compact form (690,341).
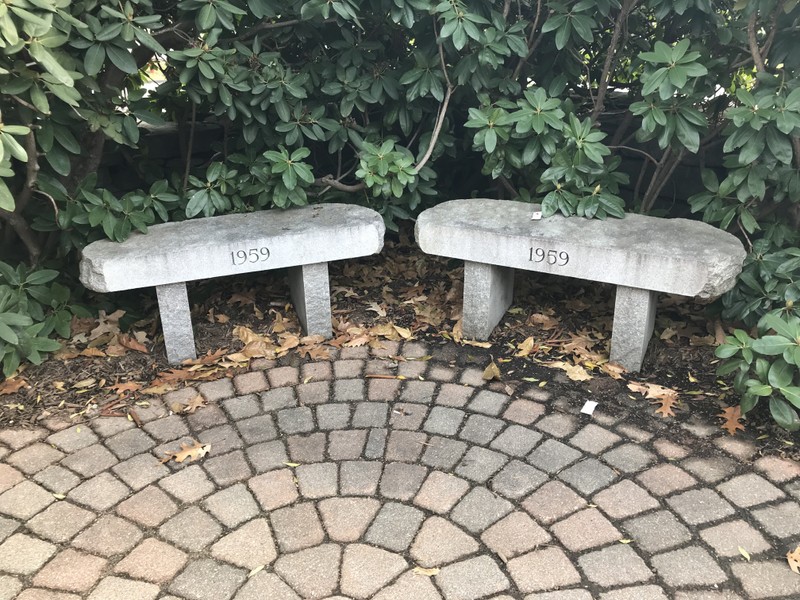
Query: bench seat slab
(634,319)
(176,322)
(488,292)
(310,290)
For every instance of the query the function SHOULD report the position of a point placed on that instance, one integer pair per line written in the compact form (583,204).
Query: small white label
(589,407)
(537,215)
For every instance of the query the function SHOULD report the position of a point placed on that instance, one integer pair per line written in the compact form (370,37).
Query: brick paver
(152,561)
(440,542)
(323,484)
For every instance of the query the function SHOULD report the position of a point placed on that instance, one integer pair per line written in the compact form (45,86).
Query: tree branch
(437,129)
(266,25)
(14,218)
(190,148)
(531,43)
(611,55)
(647,154)
(329,181)
(758,60)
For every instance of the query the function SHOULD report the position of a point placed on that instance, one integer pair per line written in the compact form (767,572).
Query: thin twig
(265,25)
(758,60)
(25,104)
(437,129)
(744,233)
(611,55)
(330,182)
(531,44)
(190,148)
(647,154)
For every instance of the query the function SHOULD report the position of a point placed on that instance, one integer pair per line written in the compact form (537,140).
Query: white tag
(537,215)
(589,407)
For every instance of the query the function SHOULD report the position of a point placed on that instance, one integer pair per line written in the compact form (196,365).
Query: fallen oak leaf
(106,324)
(93,353)
(208,359)
(126,387)
(666,398)
(132,343)
(613,370)
(192,452)
(197,402)
(13,385)
(731,416)
(574,372)
(377,308)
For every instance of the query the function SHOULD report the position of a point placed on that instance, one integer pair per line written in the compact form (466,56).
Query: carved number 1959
(251,255)
(551,256)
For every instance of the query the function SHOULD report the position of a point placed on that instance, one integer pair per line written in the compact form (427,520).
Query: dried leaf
(197,402)
(744,553)
(665,397)
(491,372)
(544,321)
(377,308)
(279,324)
(93,353)
(477,344)
(574,372)
(85,383)
(106,324)
(192,452)
(427,572)
(258,569)
(613,369)
(124,388)
(526,347)
(794,560)
(208,359)
(13,385)
(247,335)
(288,341)
(132,343)
(403,332)
(731,416)
(357,341)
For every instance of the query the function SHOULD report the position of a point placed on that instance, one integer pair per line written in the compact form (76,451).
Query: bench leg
(176,322)
(634,318)
(488,292)
(311,296)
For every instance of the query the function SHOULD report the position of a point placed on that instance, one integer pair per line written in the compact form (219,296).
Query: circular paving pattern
(323,482)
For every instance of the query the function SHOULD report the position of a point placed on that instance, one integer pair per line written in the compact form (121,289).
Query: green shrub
(398,104)
(767,367)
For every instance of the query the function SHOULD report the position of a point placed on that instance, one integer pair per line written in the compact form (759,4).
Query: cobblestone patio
(323,483)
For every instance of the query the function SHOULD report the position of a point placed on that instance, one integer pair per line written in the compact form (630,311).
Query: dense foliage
(394,104)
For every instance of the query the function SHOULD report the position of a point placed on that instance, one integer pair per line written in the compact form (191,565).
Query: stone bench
(168,255)
(641,255)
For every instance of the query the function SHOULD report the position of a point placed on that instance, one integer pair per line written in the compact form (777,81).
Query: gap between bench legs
(311,296)
(176,322)
(634,319)
(488,292)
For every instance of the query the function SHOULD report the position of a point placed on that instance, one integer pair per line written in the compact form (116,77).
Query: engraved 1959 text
(552,257)
(251,255)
